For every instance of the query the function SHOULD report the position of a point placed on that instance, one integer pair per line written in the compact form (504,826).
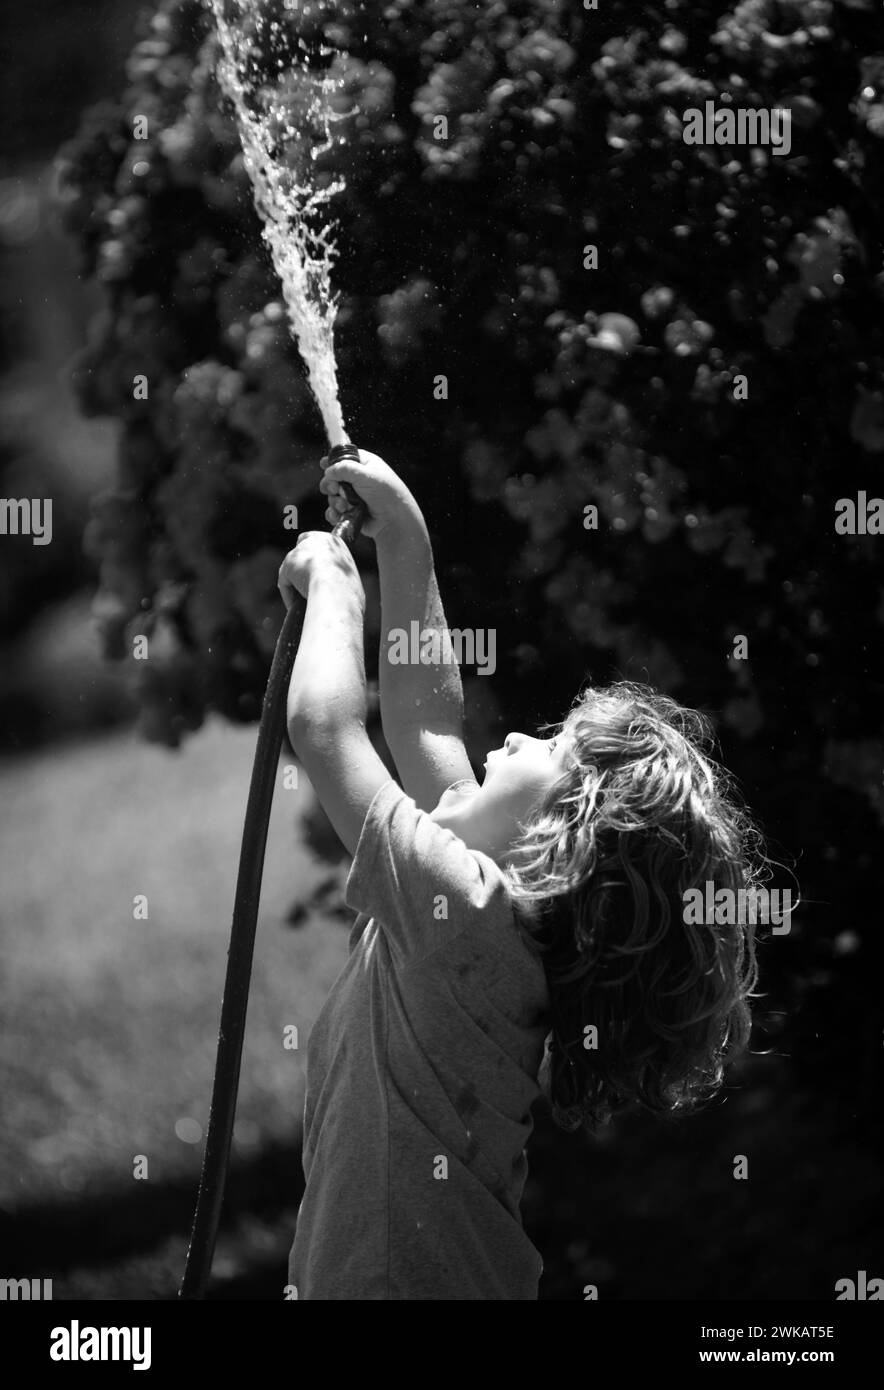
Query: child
(519,937)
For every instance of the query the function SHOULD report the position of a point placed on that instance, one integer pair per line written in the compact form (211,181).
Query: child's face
(517,776)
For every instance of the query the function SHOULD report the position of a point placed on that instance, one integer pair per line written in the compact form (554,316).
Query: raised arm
(421,701)
(326,702)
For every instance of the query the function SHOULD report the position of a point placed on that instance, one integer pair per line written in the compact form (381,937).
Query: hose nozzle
(343,451)
(348,527)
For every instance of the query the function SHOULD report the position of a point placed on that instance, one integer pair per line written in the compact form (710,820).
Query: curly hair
(646,1007)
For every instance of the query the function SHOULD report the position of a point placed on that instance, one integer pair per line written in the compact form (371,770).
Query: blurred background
(568,387)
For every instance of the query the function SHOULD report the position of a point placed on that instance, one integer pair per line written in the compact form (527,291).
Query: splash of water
(283,129)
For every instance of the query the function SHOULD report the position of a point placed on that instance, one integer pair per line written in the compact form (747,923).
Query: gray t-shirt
(421,1071)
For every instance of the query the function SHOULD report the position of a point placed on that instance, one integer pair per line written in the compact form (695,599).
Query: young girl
(520,937)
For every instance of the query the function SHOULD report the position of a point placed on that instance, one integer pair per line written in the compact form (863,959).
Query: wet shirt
(421,1072)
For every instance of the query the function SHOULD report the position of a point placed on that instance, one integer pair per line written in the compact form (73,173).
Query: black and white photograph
(441,670)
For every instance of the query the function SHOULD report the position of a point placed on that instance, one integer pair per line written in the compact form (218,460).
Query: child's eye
(552,746)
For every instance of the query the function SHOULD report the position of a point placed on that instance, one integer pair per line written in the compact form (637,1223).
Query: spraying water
(283,130)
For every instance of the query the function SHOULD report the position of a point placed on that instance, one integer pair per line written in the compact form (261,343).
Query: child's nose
(516,740)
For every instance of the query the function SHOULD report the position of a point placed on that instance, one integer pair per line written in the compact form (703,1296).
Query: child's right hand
(389,502)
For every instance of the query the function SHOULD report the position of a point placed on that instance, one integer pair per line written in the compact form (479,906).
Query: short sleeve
(418,880)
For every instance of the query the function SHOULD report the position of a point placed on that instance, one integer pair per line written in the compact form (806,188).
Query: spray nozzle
(348,527)
(343,451)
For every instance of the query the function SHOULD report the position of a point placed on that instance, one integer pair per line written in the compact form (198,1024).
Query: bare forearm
(328,681)
(421,689)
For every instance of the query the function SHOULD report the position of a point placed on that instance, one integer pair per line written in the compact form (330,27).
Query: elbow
(297,724)
(306,727)
(317,730)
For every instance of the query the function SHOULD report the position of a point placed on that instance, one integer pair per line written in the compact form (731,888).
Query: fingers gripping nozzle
(348,527)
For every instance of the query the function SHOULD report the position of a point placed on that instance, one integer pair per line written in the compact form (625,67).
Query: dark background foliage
(567,387)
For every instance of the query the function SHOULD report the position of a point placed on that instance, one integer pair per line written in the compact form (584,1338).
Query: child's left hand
(317,555)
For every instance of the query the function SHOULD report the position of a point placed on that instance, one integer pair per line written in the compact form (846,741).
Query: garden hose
(245,916)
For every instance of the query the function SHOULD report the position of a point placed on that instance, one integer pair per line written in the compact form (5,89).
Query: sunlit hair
(641,814)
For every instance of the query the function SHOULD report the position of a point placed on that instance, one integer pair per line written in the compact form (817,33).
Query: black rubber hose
(235,999)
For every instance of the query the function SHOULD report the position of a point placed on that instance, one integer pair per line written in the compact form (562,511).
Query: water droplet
(188,1131)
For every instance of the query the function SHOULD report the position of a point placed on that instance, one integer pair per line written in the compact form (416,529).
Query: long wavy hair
(642,814)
